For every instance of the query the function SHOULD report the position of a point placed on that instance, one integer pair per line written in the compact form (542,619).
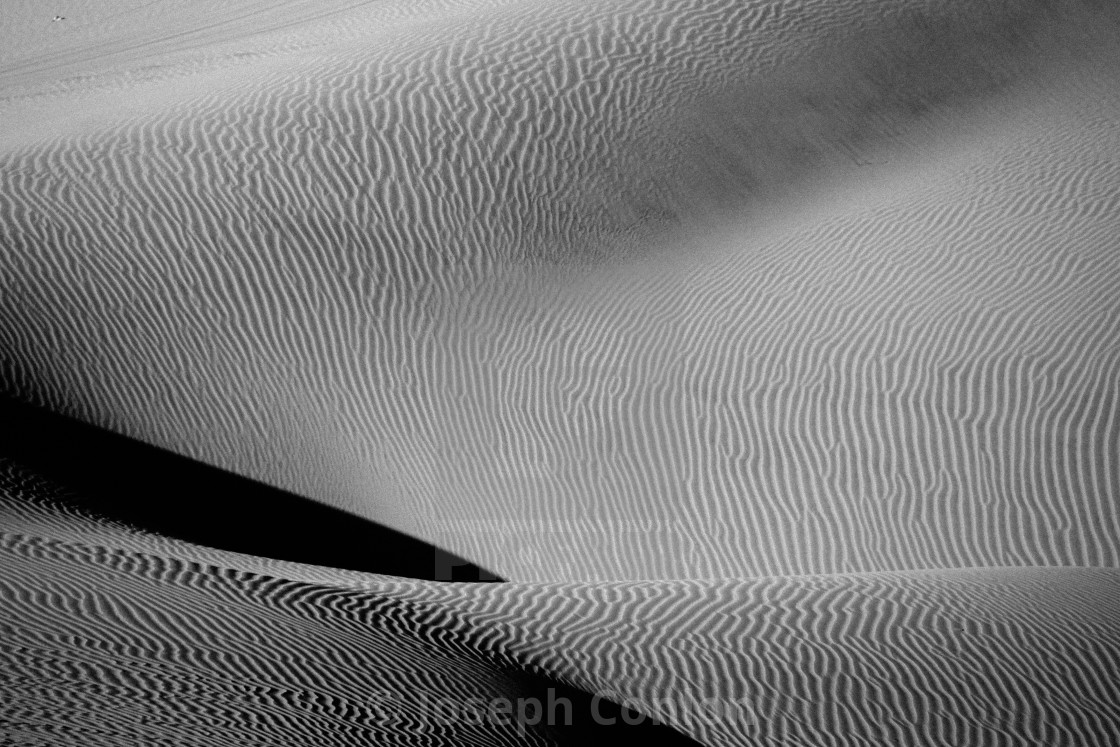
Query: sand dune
(157,491)
(115,637)
(771,349)
(952,657)
(557,287)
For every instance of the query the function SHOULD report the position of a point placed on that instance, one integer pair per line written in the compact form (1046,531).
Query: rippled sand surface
(770,350)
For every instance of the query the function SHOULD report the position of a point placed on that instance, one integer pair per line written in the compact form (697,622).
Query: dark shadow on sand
(126,480)
(153,489)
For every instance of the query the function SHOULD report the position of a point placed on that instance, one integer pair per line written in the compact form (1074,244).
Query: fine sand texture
(114,636)
(635,290)
(770,351)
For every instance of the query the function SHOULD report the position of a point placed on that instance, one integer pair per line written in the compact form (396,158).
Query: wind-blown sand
(811,307)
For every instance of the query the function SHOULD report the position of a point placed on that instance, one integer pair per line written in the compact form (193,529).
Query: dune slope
(786,289)
(118,637)
(771,349)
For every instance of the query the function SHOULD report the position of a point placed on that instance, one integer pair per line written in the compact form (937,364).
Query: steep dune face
(119,637)
(784,289)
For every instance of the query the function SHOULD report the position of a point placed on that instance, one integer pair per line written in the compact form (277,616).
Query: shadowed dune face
(154,490)
(613,292)
(112,636)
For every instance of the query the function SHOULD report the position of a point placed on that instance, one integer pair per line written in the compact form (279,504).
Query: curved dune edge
(973,657)
(106,620)
(113,637)
(151,489)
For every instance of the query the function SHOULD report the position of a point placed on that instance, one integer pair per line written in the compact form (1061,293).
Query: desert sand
(769,350)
